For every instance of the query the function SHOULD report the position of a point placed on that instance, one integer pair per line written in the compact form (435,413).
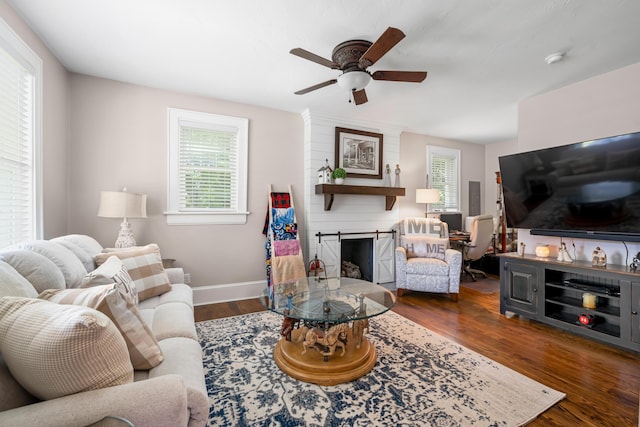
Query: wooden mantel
(329,190)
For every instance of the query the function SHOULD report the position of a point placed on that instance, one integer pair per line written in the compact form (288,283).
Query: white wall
(491,154)
(413,162)
(118,138)
(602,106)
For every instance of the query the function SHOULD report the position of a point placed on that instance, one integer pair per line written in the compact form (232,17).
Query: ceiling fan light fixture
(554,57)
(354,80)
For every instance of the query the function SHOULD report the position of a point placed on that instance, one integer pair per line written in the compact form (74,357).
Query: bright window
(207,168)
(443,168)
(20,140)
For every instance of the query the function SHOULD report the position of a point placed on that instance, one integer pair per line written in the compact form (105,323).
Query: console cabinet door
(519,289)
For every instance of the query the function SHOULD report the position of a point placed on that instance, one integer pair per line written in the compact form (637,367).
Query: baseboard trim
(212,294)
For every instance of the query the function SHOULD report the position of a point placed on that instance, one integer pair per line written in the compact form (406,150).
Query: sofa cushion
(115,300)
(144,265)
(55,350)
(425,247)
(39,270)
(111,271)
(13,284)
(179,293)
(82,246)
(69,264)
(169,320)
(13,395)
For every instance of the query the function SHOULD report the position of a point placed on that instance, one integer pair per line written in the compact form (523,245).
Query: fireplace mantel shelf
(329,190)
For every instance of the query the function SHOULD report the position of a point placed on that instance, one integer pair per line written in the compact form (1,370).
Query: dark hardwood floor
(601,382)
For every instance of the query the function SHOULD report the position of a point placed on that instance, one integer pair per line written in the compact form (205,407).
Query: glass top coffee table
(325,320)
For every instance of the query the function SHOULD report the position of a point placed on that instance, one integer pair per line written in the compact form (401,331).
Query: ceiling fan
(353,57)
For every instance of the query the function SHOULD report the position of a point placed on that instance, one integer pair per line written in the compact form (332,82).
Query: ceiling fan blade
(359,96)
(314,87)
(400,76)
(314,58)
(385,42)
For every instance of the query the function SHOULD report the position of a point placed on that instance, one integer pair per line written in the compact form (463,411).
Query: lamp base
(125,236)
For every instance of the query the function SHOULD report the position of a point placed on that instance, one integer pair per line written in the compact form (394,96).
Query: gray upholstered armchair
(424,261)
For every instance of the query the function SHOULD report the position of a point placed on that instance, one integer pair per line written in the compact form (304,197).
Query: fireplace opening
(358,253)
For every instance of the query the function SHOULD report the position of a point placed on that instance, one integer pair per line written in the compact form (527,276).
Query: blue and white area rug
(420,379)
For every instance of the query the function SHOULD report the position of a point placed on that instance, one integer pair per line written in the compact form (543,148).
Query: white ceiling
(482,56)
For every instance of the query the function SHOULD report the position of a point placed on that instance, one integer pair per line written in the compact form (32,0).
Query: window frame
(174,214)
(432,151)
(18,49)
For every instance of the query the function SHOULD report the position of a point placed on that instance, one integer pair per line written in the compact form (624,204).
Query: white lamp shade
(354,80)
(122,204)
(427,195)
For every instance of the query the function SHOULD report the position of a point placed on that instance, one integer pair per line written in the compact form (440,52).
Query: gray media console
(553,292)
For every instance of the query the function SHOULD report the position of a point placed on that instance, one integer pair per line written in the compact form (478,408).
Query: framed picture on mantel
(359,153)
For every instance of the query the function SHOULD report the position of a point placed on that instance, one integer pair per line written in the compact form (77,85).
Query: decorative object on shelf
(598,257)
(522,248)
(542,251)
(387,176)
(586,319)
(324,173)
(122,204)
(427,196)
(359,153)
(589,300)
(563,253)
(339,175)
(634,264)
(396,183)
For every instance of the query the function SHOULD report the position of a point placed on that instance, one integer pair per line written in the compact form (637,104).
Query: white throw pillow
(112,271)
(55,350)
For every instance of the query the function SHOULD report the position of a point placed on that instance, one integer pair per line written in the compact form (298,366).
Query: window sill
(205,218)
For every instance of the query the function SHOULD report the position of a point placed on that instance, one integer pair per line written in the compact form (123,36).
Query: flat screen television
(588,190)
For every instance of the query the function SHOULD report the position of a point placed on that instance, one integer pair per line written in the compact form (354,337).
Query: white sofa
(171,393)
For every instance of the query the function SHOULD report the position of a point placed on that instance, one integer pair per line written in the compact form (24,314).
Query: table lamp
(122,204)
(428,196)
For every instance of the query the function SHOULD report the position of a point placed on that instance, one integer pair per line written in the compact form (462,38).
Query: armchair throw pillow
(425,247)
(417,226)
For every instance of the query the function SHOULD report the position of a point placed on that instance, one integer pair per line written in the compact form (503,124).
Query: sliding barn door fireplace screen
(382,252)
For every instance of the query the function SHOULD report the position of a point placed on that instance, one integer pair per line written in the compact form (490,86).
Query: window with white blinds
(443,168)
(20,101)
(208,168)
